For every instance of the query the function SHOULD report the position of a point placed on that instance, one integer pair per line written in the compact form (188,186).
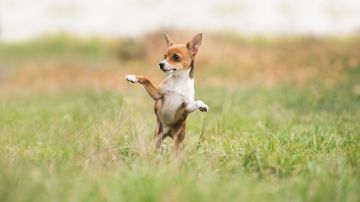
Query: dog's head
(179,57)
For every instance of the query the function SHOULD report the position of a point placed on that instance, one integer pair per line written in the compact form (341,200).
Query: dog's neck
(180,75)
(181,83)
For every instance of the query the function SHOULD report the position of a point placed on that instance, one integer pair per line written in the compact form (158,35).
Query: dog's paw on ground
(131,78)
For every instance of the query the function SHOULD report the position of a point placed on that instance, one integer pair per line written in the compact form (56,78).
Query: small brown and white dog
(174,98)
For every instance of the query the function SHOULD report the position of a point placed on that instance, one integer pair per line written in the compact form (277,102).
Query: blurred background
(281,78)
(21,19)
(44,43)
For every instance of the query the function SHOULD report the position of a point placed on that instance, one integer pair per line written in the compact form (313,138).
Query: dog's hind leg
(179,136)
(153,90)
(159,138)
(158,135)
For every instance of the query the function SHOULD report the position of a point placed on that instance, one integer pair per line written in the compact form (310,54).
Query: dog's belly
(171,104)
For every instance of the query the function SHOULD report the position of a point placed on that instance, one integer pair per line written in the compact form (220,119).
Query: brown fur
(177,128)
(185,54)
(153,90)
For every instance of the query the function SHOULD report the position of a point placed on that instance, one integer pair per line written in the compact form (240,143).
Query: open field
(283,125)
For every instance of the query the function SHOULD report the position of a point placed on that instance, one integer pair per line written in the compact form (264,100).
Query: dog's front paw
(131,78)
(202,106)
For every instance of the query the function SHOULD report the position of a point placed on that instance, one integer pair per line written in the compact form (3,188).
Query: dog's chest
(176,91)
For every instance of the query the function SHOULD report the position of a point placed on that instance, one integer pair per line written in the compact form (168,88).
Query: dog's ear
(194,44)
(168,40)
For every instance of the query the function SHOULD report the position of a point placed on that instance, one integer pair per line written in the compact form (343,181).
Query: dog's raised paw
(131,78)
(202,106)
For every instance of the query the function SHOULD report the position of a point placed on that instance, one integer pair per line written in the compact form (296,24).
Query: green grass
(58,46)
(280,144)
(283,125)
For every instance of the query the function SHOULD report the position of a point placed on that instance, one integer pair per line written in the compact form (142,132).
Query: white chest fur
(177,89)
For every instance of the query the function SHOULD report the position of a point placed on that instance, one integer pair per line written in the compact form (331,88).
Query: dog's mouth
(169,70)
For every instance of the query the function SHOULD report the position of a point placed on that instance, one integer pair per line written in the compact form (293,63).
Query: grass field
(283,125)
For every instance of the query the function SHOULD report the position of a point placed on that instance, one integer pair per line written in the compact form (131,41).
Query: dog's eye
(176,58)
(164,56)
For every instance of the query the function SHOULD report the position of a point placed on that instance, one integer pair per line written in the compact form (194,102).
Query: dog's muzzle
(162,66)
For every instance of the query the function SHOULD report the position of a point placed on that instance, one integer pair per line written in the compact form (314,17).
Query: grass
(280,143)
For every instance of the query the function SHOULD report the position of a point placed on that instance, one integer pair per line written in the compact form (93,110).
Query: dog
(174,97)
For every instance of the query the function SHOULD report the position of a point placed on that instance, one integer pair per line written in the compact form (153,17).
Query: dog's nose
(162,65)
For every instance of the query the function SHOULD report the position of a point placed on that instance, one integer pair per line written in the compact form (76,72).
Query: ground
(283,123)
